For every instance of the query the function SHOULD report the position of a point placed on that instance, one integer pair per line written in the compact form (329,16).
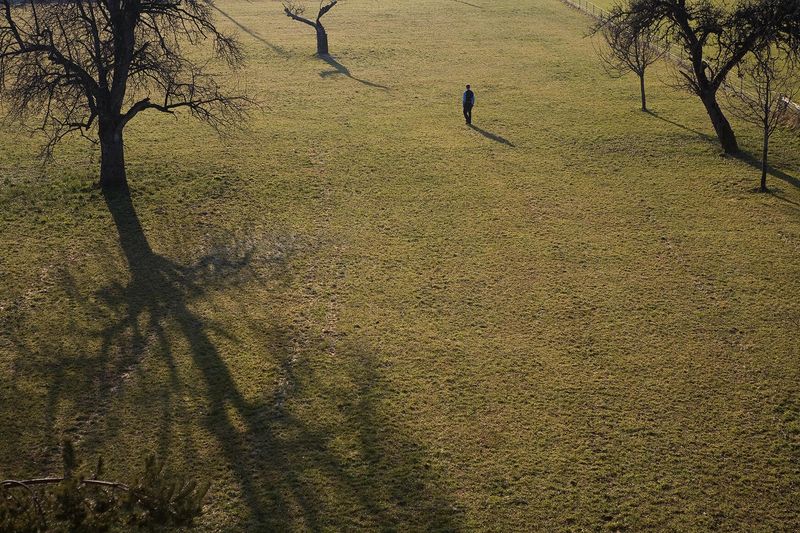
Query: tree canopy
(91,66)
(714,38)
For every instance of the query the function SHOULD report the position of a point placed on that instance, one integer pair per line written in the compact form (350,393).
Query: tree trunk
(641,88)
(721,125)
(764,156)
(112,156)
(322,40)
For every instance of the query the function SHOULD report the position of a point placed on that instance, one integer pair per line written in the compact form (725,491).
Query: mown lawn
(359,313)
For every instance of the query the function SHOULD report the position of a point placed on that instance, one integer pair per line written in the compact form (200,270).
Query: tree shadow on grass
(158,295)
(275,48)
(347,465)
(704,136)
(298,458)
(775,194)
(338,68)
(132,320)
(743,156)
(755,162)
(285,462)
(468,4)
(492,136)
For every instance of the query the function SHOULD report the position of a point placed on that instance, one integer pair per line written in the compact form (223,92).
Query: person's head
(468,87)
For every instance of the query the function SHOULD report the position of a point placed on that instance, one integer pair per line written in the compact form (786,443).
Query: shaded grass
(361,314)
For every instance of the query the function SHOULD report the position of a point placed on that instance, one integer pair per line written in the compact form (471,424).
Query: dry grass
(360,314)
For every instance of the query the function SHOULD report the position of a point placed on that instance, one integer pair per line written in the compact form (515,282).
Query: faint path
(330,331)
(316,283)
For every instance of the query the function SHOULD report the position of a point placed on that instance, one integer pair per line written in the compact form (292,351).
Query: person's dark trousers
(468,113)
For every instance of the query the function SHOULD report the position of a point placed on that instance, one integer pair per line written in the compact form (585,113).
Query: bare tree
(715,37)
(295,11)
(91,66)
(628,49)
(766,94)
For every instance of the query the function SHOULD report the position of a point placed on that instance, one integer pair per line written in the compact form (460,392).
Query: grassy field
(358,313)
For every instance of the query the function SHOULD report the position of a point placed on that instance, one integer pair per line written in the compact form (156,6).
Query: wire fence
(597,12)
(587,7)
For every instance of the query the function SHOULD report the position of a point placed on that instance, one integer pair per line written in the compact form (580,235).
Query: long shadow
(745,157)
(132,318)
(275,48)
(468,4)
(159,294)
(704,136)
(338,68)
(783,198)
(287,463)
(381,475)
(755,162)
(492,136)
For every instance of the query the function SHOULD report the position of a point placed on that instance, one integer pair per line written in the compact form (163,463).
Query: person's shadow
(492,136)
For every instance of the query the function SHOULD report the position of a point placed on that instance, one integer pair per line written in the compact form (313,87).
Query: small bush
(155,500)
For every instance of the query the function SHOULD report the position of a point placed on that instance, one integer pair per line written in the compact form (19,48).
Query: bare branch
(768,84)
(87,66)
(628,48)
(324,9)
(295,12)
(715,37)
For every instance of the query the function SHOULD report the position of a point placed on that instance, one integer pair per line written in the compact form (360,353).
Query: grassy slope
(360,313)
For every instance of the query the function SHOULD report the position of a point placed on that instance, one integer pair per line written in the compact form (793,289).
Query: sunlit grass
(360,313)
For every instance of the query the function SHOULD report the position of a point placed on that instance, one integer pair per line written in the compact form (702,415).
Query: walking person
(468,100)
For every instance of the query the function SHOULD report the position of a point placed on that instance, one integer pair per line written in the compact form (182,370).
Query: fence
(587,7)
(598,12)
